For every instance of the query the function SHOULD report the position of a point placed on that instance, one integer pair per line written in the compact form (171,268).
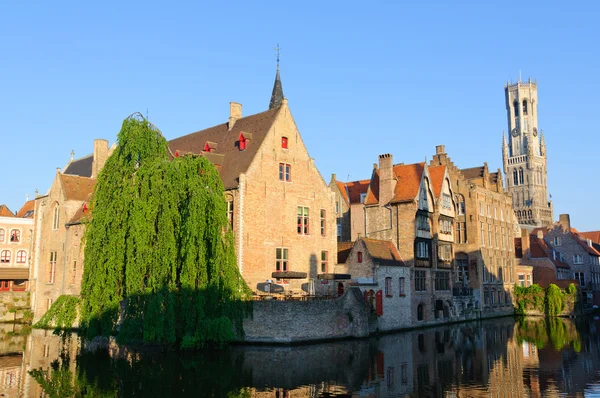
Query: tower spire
(277,95)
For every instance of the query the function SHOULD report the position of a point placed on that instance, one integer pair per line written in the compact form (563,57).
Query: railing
(462,291)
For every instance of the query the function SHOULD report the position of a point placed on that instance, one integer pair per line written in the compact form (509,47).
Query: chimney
(386,179)
(440,149)
(565,222)
(100,156)
(235,113)
(525,245)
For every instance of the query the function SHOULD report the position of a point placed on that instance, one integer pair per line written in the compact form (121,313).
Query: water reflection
(500,358)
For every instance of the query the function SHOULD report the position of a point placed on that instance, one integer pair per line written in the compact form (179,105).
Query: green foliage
(571,289)
(554,331)
(61,315)
(160,239)
(528,298)
(555,300)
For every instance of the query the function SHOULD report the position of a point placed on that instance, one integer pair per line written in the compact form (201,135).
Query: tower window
(515,177)
(516,106)
(521,176)
(524,107)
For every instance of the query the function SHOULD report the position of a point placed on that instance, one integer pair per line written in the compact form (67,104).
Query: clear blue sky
(362,78)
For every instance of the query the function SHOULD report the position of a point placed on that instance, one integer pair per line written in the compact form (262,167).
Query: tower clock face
(515,132)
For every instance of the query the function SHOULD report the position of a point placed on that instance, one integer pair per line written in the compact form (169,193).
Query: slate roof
(77,188)
(80,167)
(408,181)
(343,251)
(233,160)
(27,210)
(5,211)
(383,252)
(352,190)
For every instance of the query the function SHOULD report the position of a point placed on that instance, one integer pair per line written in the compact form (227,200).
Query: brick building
(57,246)
(15,247)
(281,210)
(349,207)
(485,227)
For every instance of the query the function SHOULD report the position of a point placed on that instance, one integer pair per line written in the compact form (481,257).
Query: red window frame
(359,257)
(284,143)
(388,286)
(4,286)
(285,172)
(5,256)
(303,221)
(2,234)
(15,235)
(323,222)
(21,257)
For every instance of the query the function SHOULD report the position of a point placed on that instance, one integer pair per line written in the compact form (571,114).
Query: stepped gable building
(524,156)
(349,207)
(281,210)
(566,244)
(484,229)
(57,246)
(15,247)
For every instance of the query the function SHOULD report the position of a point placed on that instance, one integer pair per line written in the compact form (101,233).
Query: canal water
(495,358)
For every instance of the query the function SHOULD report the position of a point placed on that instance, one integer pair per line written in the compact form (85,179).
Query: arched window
(21,257)
(524,107)
(515,177)
(521,176)
(15,235)
(55,217)
(401,287)
(2,234)
(460,205)
(420,311)
(359,257)
(5,256)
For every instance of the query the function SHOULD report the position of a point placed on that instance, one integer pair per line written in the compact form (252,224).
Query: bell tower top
(521,112)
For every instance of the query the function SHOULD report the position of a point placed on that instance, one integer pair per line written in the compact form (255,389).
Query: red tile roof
(583,243)
(352,190)
(5,211)
(383,252)
(234,161)
(408,181)
(437,179)
(594,236)
(539,249)
(77,188)
(27,209)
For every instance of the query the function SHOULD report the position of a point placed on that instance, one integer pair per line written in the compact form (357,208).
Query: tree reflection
(557,332)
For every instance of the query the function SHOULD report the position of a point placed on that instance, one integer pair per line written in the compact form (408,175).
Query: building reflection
(497,358)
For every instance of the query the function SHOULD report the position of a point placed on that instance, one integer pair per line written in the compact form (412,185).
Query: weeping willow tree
(159,256)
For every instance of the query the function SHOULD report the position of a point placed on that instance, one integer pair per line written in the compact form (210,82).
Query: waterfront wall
(12,305)
(293,321)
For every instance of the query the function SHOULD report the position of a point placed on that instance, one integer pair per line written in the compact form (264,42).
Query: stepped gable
(80,167)
(383,252)
(234,161)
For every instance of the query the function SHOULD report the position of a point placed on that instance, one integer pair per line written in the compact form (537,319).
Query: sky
(362,79)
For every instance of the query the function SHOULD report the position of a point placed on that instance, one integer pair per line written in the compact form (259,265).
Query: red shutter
(206,147)
(379,303)
(242,141)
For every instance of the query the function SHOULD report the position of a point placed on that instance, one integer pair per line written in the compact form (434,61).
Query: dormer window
(242,142)
(206,147)
(284,143)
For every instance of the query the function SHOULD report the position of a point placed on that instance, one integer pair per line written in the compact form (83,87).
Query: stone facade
(524,156)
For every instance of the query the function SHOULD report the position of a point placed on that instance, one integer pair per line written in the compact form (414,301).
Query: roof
(80,167)
(27,210)
(77,188)
(473,172)
(82,213)
(277,94)
(383,252)
(352,190)
(540,249)
(437,179)
(235,161)
(594,236)
(579,238)
(518,248)
(5,211)
(408,181)
(343,251)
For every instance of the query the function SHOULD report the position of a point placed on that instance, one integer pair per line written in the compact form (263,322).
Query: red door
(379,303)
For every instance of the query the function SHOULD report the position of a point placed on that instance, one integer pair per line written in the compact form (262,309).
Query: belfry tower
(524,156)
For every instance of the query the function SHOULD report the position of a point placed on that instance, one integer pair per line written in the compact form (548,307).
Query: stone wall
(9,301)
(294,321)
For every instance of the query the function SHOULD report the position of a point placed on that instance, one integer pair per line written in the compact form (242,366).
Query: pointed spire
(277,95)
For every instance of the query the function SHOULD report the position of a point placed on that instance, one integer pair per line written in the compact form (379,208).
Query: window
(422,249)
(442,280)
(401,287)
(461,232)
(516,108)
(4,285)
(363,196)
(490,241)
(460,205)
(556,241)
(324,261)
(242,142)
(337,207)
(230,212)
(21,257)
(495,213)
(323,223)
(446,202)
(482,235)
(489,211)
(580,276)
(359,257)
(577,259)
(15,235)
(339,228)
(74,273)
(500,273)
(515,177)
(462,268)
(55,217)
(284,143)
(303,221)
(496,236)
(420,278)
(594,260)
(285,172)
(445,226)
(281,262)
(481,213)
(388,287)
(521,176)
(52,267)
(524,107)
(423,223)
(5,256)
(528,279)
(2,233)
(445,253)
